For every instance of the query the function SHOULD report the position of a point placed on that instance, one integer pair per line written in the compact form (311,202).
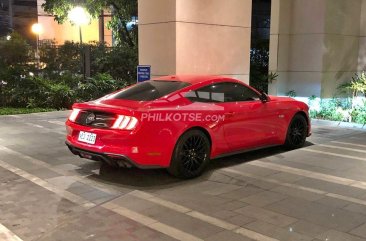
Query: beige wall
(316,45)
(66,31)
(195,37)
(157,35)
(362,39)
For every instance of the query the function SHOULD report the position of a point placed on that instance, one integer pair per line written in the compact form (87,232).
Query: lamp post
(37,30)
(80,17)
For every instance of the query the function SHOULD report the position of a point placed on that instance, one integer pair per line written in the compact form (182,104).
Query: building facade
(315,45)
(95,31)
(20,15)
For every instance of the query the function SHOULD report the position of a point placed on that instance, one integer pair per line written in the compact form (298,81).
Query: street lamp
(79,17)
(37,30)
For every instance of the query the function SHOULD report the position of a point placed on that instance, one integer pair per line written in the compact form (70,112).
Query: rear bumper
(143,149)
(109,158)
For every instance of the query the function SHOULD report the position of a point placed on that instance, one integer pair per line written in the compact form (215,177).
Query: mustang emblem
(90,118)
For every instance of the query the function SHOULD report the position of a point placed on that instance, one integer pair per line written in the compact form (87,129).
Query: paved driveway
(314,193)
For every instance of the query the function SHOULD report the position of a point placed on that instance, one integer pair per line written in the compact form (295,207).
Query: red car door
(249,124)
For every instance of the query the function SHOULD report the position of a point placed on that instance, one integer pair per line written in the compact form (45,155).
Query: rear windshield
(150,90)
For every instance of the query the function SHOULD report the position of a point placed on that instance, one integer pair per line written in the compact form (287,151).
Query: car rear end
(104,134)
(110,129)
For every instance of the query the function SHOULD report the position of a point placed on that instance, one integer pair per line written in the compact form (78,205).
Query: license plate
(87,137)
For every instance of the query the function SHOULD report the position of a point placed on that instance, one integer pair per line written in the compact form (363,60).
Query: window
(222,92)
(149,90)
(25,3)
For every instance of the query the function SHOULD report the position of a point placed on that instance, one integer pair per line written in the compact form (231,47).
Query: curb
(338,124)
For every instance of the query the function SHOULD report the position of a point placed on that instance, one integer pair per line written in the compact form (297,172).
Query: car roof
(192,79)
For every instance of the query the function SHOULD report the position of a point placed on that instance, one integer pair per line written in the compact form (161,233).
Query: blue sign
(143,73)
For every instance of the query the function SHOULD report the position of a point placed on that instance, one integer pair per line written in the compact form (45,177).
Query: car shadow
(160,178)
(249,156)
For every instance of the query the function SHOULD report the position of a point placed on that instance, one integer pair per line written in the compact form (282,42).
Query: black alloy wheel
(297,132)
(191,155)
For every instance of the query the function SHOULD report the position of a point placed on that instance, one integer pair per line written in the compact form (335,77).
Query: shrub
(338,110)
(356,110)
(329,109)
(356,86)
(96,87)
(20,89)
(59,83)
(359,114)
(56,93)
(119,62)
(291,93)
(59,96)
(59,59)
(15,51)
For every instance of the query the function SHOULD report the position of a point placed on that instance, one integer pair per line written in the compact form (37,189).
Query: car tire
(191,155)
(296,132)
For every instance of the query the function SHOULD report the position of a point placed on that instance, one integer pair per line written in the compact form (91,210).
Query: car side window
(222,92)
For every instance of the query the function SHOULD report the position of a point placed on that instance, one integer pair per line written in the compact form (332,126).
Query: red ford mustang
(181,122)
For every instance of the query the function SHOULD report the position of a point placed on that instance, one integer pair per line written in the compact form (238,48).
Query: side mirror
(264,97)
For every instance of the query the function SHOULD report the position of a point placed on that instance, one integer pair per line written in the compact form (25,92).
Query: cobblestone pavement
(314,193)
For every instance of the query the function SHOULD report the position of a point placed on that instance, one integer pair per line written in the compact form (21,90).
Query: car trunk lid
(105,113)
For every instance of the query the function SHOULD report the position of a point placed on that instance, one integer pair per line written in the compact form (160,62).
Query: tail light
(74,114)
(124,122)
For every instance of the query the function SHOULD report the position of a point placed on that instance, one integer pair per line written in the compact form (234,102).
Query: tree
(122,13)
(357,85)
(14,51)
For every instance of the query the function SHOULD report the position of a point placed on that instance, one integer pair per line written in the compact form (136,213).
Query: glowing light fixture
(79,16)
(37,28)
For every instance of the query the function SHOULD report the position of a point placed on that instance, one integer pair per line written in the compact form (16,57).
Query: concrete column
(195,37)
(341,44)
(315,45)
(362,39)
(296,52)
(281,17)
